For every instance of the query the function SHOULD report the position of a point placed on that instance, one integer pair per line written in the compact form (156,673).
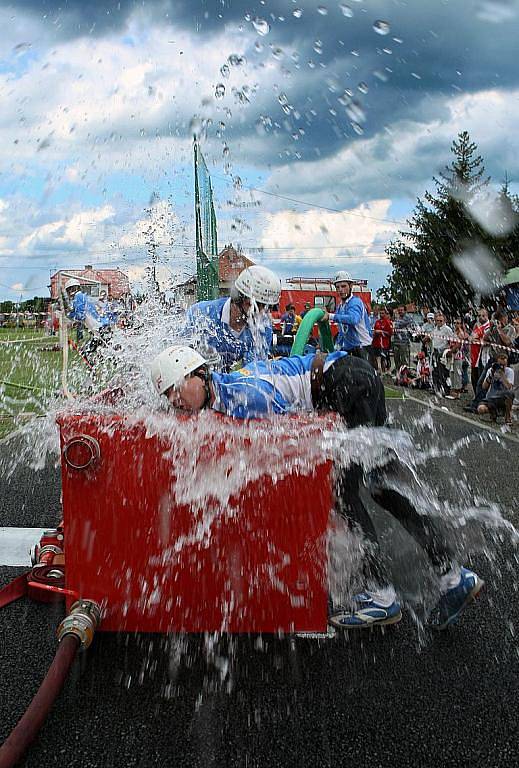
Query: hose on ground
(28,727)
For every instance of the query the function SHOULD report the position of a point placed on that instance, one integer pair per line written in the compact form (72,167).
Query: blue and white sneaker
(365,613)
(455,600)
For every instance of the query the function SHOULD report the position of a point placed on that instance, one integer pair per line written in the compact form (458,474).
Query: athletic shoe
(365,613)
(455,600)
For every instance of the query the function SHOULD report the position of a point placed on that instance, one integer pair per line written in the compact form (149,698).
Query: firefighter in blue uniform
(238,327)
(350,387)
(355,334)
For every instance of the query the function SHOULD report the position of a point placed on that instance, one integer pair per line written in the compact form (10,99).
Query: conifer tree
(440,228)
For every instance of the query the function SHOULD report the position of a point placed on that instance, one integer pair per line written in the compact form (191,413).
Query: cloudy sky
(321,123)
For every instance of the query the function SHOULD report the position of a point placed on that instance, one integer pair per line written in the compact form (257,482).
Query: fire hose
(45,582)
(75,631)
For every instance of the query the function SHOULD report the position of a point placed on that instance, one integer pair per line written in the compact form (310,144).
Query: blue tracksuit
(354,325)
(85,309)
(266,388)
(204,322)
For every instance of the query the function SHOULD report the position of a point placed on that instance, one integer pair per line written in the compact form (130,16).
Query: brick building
(230,263)
(93,281)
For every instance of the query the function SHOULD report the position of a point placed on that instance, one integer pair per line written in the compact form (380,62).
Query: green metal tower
(205,226)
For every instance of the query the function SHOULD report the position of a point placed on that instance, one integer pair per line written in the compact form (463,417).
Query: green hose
(313,316)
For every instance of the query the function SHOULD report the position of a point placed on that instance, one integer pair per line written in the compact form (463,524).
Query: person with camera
(500,334)
(499,389)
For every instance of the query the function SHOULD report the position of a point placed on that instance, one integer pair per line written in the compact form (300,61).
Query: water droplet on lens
(363,87)
(297,12)
(346,96)
(219,91)
(380,75)
(283,98)
(346,11)
(236,61)
(355,112)
(381,27)
(261,26)
(277,53)
(224,71)
(318,46)
(322,10)
(416,76)
(357,128)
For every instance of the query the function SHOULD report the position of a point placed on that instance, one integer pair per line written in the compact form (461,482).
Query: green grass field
(30,374)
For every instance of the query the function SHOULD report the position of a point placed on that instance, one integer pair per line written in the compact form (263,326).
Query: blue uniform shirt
(204,321)
(354,325)
(266,388)
(84,308)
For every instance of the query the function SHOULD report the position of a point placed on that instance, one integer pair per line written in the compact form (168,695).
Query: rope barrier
(21,386)
(466,341)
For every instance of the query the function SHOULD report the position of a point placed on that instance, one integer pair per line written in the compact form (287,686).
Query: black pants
(439,374)
(352,388)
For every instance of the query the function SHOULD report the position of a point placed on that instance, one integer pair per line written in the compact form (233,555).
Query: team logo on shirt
(245,372)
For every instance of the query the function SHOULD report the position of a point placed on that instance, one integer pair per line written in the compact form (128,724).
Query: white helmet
(172,365)
(260,284)
(72,283)
(343,277)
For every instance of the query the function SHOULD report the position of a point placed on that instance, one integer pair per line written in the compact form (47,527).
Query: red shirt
(475,349)
(382,332)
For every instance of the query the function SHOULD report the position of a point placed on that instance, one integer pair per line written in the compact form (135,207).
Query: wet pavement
(377,699)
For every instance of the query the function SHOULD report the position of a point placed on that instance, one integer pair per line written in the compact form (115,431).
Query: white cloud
(402,164)
(353,233)
(80,229)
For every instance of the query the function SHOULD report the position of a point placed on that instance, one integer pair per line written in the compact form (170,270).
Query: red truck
(318,292)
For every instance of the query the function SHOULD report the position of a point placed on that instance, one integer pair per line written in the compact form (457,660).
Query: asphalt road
(377,699)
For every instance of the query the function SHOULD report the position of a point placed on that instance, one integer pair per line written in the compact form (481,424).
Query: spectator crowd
(472,354)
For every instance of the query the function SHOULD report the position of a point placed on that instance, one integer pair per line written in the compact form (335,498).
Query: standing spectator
(307,309)
(469,320)
(425,313)
(382,333)
(513,360)
(426,331)
(402,326)
(480,328)
(439,339)
(457,352)
(290,321)
(355,334)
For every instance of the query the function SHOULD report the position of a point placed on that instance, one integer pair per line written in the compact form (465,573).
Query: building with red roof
(93,281)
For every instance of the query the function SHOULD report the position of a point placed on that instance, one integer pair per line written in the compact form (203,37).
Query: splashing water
(218,460)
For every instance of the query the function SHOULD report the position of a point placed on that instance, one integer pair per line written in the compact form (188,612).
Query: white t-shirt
(440,337)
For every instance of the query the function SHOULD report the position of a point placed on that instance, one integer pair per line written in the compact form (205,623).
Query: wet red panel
(161,561)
